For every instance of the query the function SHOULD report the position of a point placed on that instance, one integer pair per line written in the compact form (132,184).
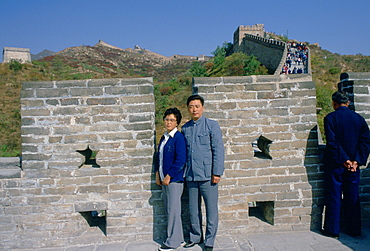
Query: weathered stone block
(273,112)
(122,90)
(137,99)
(70,101)
(27,94)
(241,95)
(90,91)
(103,82)
(90,206)
(47,93)
(148,89)
(92,189)
(32,103)
(35,112)
(37,84)
(272,94)
(70,83)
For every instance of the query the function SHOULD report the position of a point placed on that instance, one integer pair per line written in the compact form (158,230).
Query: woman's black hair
(195,97)
(175,112)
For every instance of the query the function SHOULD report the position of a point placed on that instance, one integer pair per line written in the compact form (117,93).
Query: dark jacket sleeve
(363,148)
(333,148)
(179,155)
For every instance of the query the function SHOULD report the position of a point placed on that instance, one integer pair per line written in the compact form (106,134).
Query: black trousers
(342,190)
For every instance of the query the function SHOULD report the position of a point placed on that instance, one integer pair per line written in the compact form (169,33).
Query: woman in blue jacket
(169,174)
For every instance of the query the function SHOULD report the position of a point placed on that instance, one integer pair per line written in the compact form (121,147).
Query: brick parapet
(271,53)
(361,91)
(66,116)
(283,110)
(46,204)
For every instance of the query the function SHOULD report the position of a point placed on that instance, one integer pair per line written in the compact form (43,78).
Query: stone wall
(271,53)
(12,53)
(242,30)
(56,199)
(279,186)
(64,195)
(361,91)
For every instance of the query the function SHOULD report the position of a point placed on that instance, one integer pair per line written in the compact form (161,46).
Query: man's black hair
(175,112)
(195,97)
(340,97)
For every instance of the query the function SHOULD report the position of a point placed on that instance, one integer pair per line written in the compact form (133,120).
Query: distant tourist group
(296,60)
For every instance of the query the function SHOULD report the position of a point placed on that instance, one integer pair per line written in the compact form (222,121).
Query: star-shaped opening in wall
(90,157)
(262,148)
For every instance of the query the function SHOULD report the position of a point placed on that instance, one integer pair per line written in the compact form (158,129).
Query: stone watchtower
(257,30)
(12,53)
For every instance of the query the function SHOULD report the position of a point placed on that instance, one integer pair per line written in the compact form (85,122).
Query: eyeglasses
(170,120)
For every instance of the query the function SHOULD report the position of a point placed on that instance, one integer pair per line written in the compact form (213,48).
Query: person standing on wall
(347,148)
(204,167)
(169,170)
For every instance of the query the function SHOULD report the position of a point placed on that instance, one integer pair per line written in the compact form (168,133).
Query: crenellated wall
(361,93)
(242,30)
(277,186)
(271,53)
(55,199)
(64,194)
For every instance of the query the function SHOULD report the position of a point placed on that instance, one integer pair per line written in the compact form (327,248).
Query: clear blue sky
(187,27)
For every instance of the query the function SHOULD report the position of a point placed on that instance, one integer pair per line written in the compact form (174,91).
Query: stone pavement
(287,241)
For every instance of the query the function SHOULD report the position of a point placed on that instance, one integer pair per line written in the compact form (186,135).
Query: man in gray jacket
(204,167)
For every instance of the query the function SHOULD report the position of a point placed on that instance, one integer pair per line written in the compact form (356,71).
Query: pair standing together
(195,156)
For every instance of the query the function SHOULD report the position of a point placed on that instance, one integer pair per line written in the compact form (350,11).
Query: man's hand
(347,164)
(351,166)
(354,166)
(166,180)
(216,179)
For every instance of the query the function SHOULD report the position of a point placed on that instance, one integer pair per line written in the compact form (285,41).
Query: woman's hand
(157,179)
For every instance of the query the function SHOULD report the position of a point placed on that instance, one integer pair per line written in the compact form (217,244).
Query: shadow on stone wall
(155,200)
(315,179)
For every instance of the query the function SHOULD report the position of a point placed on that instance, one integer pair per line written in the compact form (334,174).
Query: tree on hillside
(240,64)
(197,70)
(224,64)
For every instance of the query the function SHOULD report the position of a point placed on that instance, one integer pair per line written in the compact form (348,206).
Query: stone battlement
(271,53)
(265,40)
(12,53)
(257,30)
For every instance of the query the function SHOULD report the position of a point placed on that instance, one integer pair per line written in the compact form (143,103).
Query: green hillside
(172,77)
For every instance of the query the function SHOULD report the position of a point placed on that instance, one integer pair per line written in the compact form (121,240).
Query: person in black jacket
(347,148)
